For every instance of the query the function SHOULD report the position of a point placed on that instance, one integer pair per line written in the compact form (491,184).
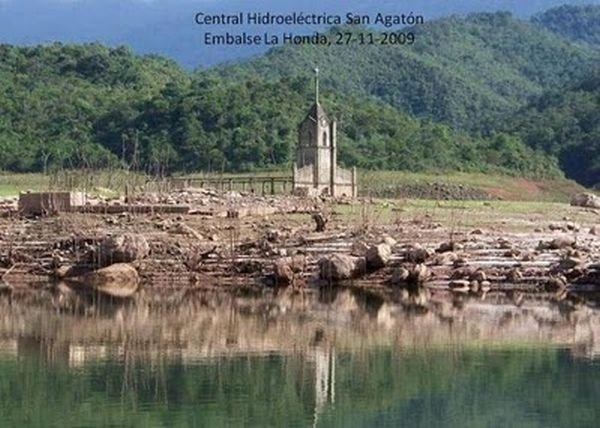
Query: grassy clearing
(12,184)
(498,186)
(106,183)
(512,215)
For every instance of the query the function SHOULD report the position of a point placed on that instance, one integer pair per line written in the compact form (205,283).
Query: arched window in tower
(310,138)
(325,138)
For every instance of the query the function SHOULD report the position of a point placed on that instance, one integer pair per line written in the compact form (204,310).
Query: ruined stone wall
(345,183)
(304,176)
(31,204)
(306,153)
(344,190)
(324,166)
(343,176)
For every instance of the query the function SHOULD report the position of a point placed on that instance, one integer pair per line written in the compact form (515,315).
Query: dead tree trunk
(320,220)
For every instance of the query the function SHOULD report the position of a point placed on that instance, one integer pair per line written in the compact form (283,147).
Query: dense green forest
(577,22)
(566,124)
(466,72)
(91,106)
(52,97)
(446,103)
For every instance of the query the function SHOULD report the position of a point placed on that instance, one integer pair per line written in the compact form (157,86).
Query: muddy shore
(402,250)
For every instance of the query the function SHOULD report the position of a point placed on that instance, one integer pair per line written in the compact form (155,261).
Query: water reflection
(338,358)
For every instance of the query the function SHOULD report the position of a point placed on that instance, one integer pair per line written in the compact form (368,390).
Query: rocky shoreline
(412,256)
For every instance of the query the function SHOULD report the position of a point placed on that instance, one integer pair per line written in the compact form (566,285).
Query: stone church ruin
(316,171)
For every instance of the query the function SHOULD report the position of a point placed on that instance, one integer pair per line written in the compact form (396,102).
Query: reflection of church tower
(324,379)
(316,167)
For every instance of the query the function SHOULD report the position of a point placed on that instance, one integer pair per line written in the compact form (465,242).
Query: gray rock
(117,280)
(419,274)
(586,199)
(448,246)
(378,256)
(389,241)
(417,255)
(287,268)
(561,242)
(359,249)
(341,266)
(400,276)
(125,248)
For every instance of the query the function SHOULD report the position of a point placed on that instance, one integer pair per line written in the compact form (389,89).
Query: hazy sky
(167,27)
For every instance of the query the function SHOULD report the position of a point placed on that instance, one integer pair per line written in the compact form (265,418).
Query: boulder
(558,243)
(341,266)
(117,280)
(400,276)
(479,275)
(286,268)
(586,199)
(389,241)
(417,255)
(555,284)
(378,256)
(419,274)
(359,249)
(514,275)
(125,248)
(411,278)
(184,229)
(448,246)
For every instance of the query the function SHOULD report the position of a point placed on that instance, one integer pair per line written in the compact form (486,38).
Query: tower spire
(317,85)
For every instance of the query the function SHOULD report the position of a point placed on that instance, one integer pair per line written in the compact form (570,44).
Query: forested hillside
(90,106)
(52,97)
(466,72)
(566,124)
(484,93)
(577,22)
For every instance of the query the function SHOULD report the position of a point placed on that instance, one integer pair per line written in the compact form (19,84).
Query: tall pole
(317,85)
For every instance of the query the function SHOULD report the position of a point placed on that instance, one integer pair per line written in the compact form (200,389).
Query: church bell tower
(317,145)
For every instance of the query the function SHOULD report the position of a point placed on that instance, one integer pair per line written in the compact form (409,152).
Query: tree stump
(320,220)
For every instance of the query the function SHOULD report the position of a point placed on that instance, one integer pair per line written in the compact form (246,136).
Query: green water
(264,373)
